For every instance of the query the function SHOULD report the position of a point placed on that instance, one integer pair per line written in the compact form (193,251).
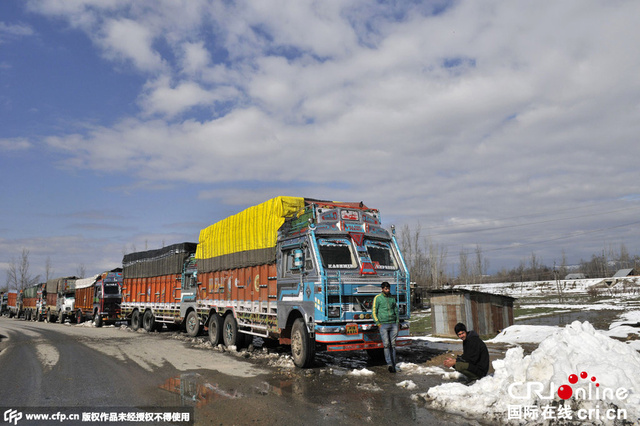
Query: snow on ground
(536,288)
(361,372)
(524,334)
(576,374)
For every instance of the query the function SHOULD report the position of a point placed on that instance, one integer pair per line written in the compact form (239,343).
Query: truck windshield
(336,253)
(381,254)
(111,288)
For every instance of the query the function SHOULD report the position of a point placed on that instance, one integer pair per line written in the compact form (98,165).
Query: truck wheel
(97,320)
(376,355)
(302,347)
(148,321)
(192,324)
(230,331)
(79,317)
(135,320)
(48,316)
(215,329)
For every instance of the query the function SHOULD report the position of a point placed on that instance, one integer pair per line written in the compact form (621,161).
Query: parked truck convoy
(300,271)
(98,298)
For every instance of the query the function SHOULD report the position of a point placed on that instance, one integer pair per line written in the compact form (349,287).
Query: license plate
(352,329)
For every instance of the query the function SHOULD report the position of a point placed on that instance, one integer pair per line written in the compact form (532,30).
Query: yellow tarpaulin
(255,228)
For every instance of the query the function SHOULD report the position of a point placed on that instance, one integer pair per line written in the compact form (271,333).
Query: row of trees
(19,274)
(427,262)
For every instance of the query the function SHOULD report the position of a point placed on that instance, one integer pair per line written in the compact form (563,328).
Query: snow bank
(516,334)
(600,373)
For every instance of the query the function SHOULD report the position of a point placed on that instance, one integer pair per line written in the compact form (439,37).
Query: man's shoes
(392,369)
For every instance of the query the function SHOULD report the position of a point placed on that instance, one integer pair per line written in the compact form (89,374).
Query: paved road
(54,365)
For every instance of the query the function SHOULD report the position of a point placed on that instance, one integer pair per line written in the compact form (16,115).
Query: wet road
(56,365)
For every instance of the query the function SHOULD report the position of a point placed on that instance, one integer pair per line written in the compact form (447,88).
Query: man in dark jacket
(474,362)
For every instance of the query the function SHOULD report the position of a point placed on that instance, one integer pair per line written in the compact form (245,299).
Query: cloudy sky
(508,125)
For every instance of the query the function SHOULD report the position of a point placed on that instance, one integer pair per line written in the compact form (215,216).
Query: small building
(485,313)
(619,277)
(624,273)
(575,276)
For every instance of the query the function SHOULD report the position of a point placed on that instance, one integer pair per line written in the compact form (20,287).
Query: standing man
(385,314)
(474,362)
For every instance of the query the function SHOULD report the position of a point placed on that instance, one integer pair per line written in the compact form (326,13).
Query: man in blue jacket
(474,362)
(385,314)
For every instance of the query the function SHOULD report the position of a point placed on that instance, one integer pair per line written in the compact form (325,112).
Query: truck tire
(135,320)
(376,355)
(79,317)
(148,321)
(302,347)
(97,320)
(230,333)
(192,324)
(215,329)
(49,316)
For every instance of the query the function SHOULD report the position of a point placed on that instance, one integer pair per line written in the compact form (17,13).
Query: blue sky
(127,125)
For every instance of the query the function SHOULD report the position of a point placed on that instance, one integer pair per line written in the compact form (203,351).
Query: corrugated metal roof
(623,273)
(465,291)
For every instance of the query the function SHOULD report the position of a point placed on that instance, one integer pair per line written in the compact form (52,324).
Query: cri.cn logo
(592,390)
(12,416)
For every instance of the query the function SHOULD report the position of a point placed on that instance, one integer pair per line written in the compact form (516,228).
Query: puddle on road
(193,389)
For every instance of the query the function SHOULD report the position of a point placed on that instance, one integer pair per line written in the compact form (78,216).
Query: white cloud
(130,40)
(196,58)
(14,30)
(15,144)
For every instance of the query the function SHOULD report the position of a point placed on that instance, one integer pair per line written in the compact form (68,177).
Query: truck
(152,287)
(11,307)
(31,302)
(60,296)
(300,271)
(98,298)
(4,309)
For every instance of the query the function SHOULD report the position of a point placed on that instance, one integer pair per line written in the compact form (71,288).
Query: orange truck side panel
(162,289)
(29,302)
(244,284)
(84,299)
(12,299)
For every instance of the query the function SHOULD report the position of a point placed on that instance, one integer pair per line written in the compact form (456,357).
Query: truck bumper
(336,339)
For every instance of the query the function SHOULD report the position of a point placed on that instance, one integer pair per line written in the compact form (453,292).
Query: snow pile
(411,368)
(407,384)
(576,374)
(361,372)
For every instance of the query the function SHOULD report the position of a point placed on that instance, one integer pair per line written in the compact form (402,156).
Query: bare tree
(480,267)
(81,271)
(463,274)
(18,275)
(437,263)
(48,269)
(415,257)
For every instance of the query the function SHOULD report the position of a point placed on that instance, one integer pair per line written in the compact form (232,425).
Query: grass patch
(420,324)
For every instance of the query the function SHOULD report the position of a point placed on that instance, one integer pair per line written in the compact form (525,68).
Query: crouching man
(474,361)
